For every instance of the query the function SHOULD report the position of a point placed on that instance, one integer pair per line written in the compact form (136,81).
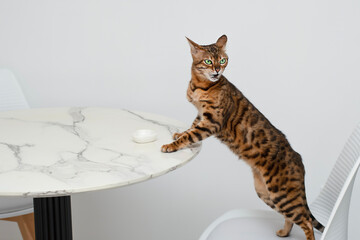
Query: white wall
(297,61)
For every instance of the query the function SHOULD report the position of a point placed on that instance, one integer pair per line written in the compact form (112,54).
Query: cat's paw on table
(167,148)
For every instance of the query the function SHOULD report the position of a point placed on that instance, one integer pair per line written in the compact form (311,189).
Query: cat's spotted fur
(224,112)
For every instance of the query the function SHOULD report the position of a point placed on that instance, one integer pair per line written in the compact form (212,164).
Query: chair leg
(26,224)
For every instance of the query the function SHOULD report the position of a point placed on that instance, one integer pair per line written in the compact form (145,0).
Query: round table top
(60,151)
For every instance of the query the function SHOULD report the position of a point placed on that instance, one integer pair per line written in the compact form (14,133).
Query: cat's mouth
(215,77)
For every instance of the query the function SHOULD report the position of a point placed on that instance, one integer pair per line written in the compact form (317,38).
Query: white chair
(18,210)
(331,208)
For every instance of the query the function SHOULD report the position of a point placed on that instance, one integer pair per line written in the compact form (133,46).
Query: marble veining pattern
(60,151)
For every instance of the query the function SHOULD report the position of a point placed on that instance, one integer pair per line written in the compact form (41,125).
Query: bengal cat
(224,112)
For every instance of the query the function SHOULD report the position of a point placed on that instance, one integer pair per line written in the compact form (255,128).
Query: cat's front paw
(176,136)
(167,148)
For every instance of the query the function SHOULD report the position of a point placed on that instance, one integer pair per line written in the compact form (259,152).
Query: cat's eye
(223,61)
(208,61)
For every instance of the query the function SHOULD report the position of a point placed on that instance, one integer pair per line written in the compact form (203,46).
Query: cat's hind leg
(304,223)
(261,189)
(264,195)
(307,227)
(296,213)
(286,230)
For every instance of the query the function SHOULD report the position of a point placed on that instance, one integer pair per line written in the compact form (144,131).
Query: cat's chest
(197,96)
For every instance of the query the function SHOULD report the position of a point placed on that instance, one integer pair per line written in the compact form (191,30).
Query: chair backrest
(11,98)
(331,207)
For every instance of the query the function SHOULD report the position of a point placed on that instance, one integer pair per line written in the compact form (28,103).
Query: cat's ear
(221,42)
(195,48)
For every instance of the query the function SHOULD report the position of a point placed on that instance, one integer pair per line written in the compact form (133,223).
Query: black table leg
(53,218)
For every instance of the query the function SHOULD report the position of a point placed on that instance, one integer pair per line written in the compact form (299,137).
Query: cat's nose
(217,69)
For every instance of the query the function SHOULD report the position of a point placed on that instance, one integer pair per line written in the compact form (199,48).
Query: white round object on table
(144,136)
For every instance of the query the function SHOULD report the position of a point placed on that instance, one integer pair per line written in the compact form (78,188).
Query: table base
(53,218)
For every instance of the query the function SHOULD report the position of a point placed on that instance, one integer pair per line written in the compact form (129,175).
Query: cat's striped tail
(316,224)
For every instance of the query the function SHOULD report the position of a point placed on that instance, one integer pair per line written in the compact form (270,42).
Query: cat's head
(209,61)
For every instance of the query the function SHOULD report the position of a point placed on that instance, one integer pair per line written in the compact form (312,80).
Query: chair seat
(258,225)
(15,206)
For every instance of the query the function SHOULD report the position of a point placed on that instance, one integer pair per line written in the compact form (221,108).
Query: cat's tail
(316,224)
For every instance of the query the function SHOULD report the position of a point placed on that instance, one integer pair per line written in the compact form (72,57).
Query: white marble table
(49,154)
